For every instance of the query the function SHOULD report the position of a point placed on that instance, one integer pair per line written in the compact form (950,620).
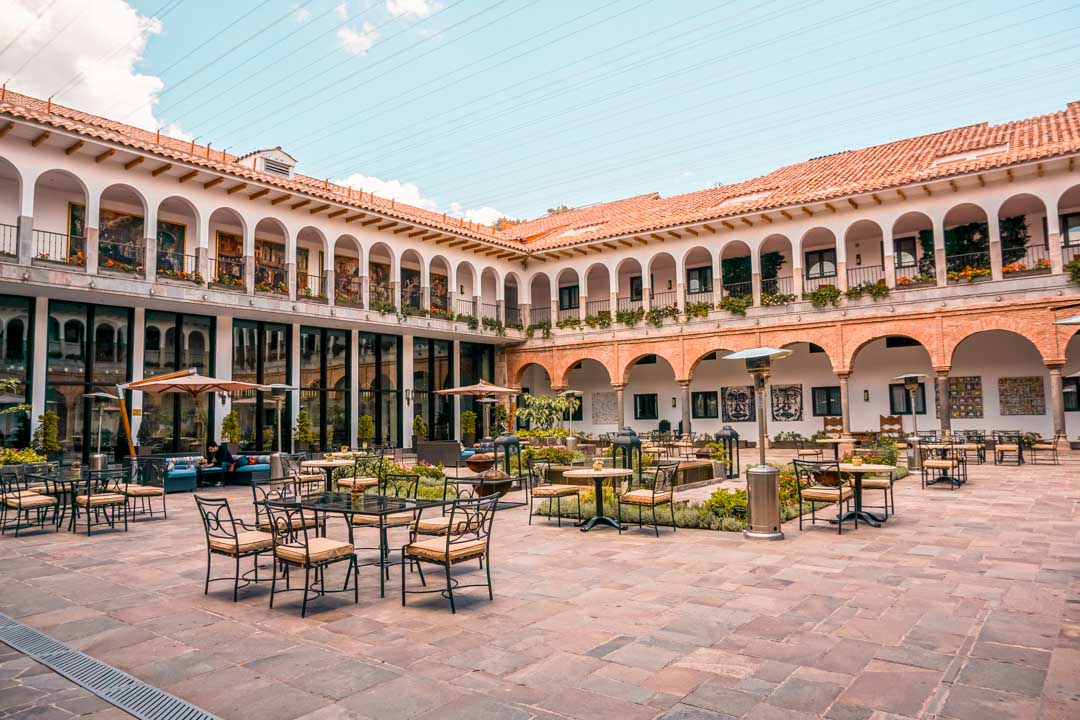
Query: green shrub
(656,316)
(737,305)
(698,309)
(365,428)
(544,328)
(824,295)
(302,432)
(773,299)
(603,320)
(468,422)
(555,454)
(11,456)
(419,429)
(230,428)
(569,322)
(630,318)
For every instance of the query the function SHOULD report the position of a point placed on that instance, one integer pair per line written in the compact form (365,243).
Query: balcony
(464,307)
(865,275)
(540,315)
(813,282)
(489,311)
(628,304)
(668,298)
(778,286)
(9,240)
(178,266)
(382,299)
(56,247)
(699,296)
(596,308)
(1034,260)
(310,287)
(968,267)
(738,289)
(227,271)
(513,316)
(119,257)
(271,279)
(350,292)
(568,313)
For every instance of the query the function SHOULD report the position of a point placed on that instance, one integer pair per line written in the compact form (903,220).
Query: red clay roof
(872,169)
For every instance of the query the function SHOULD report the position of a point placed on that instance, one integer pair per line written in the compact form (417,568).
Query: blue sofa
(245,473)
(175,473)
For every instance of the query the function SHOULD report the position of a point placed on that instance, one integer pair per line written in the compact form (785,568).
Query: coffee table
(329,466)
(598,477)
(872,519)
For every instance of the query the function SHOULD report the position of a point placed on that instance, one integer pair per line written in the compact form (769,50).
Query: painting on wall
(229,245)
(380,275)
(965,397)
(787,403)
(171,238)
(410,281)
(1021,396)
(605,408)
(439,289)
(738,404)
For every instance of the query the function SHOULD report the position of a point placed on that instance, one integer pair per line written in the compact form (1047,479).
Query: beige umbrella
(194,385)
(484,389)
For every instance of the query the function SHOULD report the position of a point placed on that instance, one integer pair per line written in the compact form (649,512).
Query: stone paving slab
(964,606)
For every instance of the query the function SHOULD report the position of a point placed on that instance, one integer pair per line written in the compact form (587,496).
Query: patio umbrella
(484,389)
(194,385)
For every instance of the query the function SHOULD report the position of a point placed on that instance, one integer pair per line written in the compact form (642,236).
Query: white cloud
(413,8)
(87,59)
(342,11)
(410,194)
(484,215)
(357,42)
(301,15)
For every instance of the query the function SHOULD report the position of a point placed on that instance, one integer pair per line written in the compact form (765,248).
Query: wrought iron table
(598,477)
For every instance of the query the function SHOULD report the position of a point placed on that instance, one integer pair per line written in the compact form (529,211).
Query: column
(555,311)
(365,292)
(354,385)
(1057,402)
(523,313)
(940,268)
(249,274)
(202,264)
(797,281)
(1057,260)
(995,247)
(755,280)
(455,381)
(91,251)
(138,357)
(841,275)
(620,404)
(500,312)
(583,308)
(292,408)
(150,261)
(685,386)
(646,295)
(223,363)
(425,298)
(944,409)
(613,303)
(327,289)
(408,409)
(25,246)
(890,270)
(291,280)
(680,295)
(39,373)
(845,407)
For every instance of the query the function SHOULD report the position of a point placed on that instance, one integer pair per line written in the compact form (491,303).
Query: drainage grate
(114,686)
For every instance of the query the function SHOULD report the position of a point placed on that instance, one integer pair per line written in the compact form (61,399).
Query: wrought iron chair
(804,450)
(16,498)
(390,485)
(1008,447)
(295,547)
(279,490)
(471,520)
(1045,448)
(949,464)
(100,500)
(878,481)
(361,481)
(891,428)
(306,482)
(141,494)
(231,538)
(541,487)
(821,482)
(655,488)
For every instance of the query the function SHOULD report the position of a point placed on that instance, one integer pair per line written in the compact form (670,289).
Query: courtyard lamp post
(762,481)
(912,381)
(101,399)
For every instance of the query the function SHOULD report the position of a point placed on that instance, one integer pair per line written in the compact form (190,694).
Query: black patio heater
(626,443)
(510,447)
(730,440)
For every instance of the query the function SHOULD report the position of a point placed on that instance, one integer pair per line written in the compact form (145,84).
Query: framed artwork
(229,245)
(738,404)
(439,289)
(965,397)
(380,274)
(787,403)
(171,238)
(410,280)
(1021,396)
(269,253)
(605,408)
(76,231)
(302,260)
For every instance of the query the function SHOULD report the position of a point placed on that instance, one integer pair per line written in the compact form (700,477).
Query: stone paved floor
(966,605)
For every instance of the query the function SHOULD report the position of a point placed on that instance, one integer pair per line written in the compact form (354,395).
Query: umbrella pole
(124,419)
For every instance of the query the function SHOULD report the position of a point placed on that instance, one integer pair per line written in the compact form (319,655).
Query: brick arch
(519,364)
(922,330)
(1034,325)
(671,352)
(565,361)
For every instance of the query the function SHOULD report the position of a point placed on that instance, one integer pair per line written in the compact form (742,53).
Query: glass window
(900,400)
(15,365)
(635,289)
(904,252)
(568,297)
(261,355)
(175,422)
(704,405)
(1070,391)
(380,398)
(699,280)
(1070,229)
(645,407)
(821,263)
(324,383)
(826,401)
(431,372)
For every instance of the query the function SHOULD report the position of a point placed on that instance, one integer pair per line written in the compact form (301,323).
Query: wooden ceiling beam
(786,215)
(766,218)
(188,176)
(236,188)
(807,211)
(831,208)
(70,149)
(318,209)
(417,233)
(105,155)
(403,228)
(40,139)
(655,236)
(455,243)
(358,216)
(431,236)
(300,204)
(259,193)
(337,213)
(387,225)
(746,221)
(854,205)
(640,240)
(877,199)
(901,194)
(952,184)
(1009,174)
(161,169)
(674,234)
(133,162)
(726,224)
(625,243)
(709,227)
(7,128)
(372,221)
(581,251)
(926,189)
(213,182)
(981,179)
(280,199)
(692,231)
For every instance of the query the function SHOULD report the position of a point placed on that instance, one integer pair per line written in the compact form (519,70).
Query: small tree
(419,429)
(230,428)
(468,422)
(302,433)
(365,428)
(547,411)
(47,434)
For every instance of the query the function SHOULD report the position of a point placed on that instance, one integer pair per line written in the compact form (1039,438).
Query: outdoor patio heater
(729,438)
(912,381)
(762,481)
(511,448)
(626,444)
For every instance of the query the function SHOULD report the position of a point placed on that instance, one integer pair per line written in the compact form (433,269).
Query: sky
(490,108)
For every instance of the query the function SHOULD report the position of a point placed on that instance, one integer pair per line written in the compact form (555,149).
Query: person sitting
(217,456)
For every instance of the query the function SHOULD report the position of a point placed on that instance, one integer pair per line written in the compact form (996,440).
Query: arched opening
(777,283)
(439,284)
(967,244)
(60,220)
(913,250)
(1009,392)
(348,285)
(177,239)
(698,276)
(227,230)
(10,208)
(412,281)
(380,277)
(662,271)
(512,301)
(271,240)
(14,341)
(569,294)
(1070,385)
(533,379)
(598,411)
(819,258)
(489,288)
(652,395)
(628,285)
(540,300)
(736,271)
(864,248)
(152,346)
(121,230)
(874,393)
(597,291)
(466,289)
(1024,232)
(310,263)
(1068,223)
(711,378)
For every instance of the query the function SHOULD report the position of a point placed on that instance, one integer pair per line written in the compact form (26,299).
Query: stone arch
(490,285)
(468,281)
(413,277)
(663,277)
(1068,205)
(122,240)
(11,190)
(857,337)
(699,284)
(906,246)
(658,377)
(563,365)
(313,239)
(597,289)
(776,276)
(820,266)
(279,249)
(864,252)
(537,367)
(540,288)
(736,269)
(59,232)
(440,282)
(661,349)
(568,277)
(1009,337)
(626,297)
(381,270)
(1023,225)
(978,255)
(178,233)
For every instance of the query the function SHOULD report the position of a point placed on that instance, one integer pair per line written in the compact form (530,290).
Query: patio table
(837,442)
(329,466)
(598,477)
(872,519)
(377,506)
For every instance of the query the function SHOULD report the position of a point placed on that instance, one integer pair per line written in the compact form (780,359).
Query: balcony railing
(350,292)
(778,286)
(9,239)
(627,304)
(271,279)
(464,307)
(440,302)
(1035,260)
(702,296)
(570,312)
(227,271)
(310,287)
(968,267)
(865,275)
(664,299)
(813,283)
(740,289)
(1070,253)
(120,257)
(489,310)
(540,315)
(513,315)
(381,296)
(59,247)
(412,299)
(596,308)
(178,266)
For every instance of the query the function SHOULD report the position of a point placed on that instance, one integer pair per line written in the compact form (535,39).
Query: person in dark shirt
(217,456)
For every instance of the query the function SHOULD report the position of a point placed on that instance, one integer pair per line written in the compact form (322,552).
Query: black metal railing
(540,315)
(59,247)
(668,298)
(778,286)
(271,279)
(9,239)
(865,275)
(596,308)
(570,312)
(1070,252)
(350,291)
(739,289)
(626,303)
(813,283)
(1030,260)
(227,270)
(513,315)
(310,286)
(464,307)
(114,256)
(703,296)
(489,310)
(976,261)
(178,266)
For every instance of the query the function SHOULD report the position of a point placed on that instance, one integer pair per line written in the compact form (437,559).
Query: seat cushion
(1042,446)
(435,549)
(135,490)
(296,522)
(319,550)
(245,542)
(99,499)
(360,483)
(257,467)
(939,464)
(1007,447)
(645,497)
(181,473)
(807,452)
(29,501)
(439,525)
(392,520)
(876,482)
(542,491)
(824,493)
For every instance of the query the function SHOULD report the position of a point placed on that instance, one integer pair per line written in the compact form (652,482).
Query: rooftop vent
(969,155)
(272,160)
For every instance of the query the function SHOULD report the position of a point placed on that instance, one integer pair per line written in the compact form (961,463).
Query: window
(826,401)
(579,411)
(635,288)
(1070,390)
(324,385)
(568,297)
(175,422)
(645,407)
(904,252)
(704,405)
(821,263)
(900,401)
(1070,230)
(699,280)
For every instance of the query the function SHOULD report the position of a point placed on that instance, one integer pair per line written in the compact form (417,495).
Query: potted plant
(365,430)
(302,433)
(144,438)
(46,438)
(419,431)
(468,428)
(230,429)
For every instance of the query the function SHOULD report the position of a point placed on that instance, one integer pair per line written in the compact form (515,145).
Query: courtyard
(965,604)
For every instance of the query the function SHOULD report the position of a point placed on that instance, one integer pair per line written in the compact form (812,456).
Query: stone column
(620,403)
(890,270)
(756,288)
(523,313)
(91,251)
(25,242)
(408,408)
(425,298)
(327,288)
(941,386)
(583,308)
(249,274)
(685,386)
(354,385)
(797,282)
(845,406)
(150,263)
(995,248)
(841,275)
(1057,260)
(680,296)
(223,364)
(365,292)
(500,312)
(395,294)
(202,264)
(40,360)
(554,312)
(613,304)
(646,297)
(1057,402)
(138,357)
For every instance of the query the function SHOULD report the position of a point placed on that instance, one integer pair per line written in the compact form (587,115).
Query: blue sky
(514,106)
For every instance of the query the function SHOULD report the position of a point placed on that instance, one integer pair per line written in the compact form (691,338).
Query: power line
(74,18)
(22,31)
